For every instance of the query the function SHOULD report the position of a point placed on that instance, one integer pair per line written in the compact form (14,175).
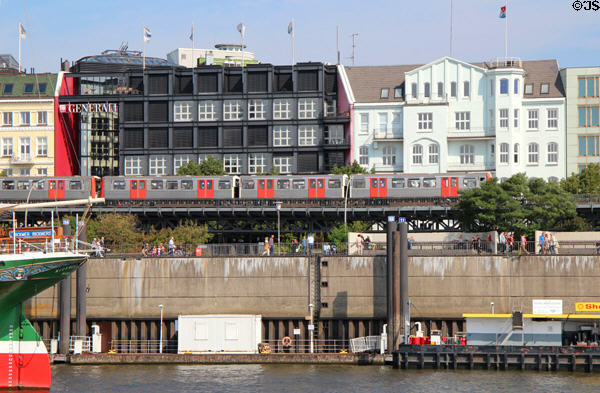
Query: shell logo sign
(587,306)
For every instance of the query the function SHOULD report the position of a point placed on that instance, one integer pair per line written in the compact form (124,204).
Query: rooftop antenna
(337,42)
(354,36)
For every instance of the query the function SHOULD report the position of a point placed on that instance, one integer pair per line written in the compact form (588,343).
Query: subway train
(196,188)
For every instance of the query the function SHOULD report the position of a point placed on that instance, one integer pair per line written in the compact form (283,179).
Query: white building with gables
(504,117)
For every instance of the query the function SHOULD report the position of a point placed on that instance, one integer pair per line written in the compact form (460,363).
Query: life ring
(286,341)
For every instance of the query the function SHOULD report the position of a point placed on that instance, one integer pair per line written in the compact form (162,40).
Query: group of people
(98,247)
(160,249)
(548,244)
(362,242)
(304,246)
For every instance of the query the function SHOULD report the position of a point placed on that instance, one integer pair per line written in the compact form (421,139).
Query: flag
(22,32)
(241,28)
(192,34)
(503,12)
(291,27)
(147,34)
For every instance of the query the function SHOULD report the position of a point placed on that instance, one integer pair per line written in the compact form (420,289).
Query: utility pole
(354,36)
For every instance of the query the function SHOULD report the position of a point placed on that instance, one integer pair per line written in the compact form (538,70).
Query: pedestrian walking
(542,241)
(523,245)
(503,243)
(266,246)
(360,243)
(272,244)
(304,245)
(552,242)
(311,243)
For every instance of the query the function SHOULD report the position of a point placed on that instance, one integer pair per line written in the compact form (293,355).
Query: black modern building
(258,119)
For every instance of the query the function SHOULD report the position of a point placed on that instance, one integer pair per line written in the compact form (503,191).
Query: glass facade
(99,144)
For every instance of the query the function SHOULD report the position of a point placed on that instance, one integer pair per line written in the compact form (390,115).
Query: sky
(389,32)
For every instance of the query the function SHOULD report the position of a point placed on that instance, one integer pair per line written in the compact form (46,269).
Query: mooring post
(81,300)
(391,227)
(403,277)
(65,315)
(396,301)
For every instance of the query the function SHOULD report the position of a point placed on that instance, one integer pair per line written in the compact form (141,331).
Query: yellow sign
(587,307)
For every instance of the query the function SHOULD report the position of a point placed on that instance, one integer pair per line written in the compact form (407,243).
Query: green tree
(3,173)
(118,230)
(518,205)
(354,169)
(585,182)
(339,233)
(208,167)
(189,233)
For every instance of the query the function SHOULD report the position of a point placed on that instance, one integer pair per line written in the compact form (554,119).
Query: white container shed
(219,333)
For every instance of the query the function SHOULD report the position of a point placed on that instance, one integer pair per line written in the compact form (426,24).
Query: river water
(307,378)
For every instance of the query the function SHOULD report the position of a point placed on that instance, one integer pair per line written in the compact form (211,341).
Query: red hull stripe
(26,370)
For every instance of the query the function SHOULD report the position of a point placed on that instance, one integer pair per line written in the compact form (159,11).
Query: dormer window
(544,88)
(385,92)
(398,92)
(529,88)
(28,89)
(8,88)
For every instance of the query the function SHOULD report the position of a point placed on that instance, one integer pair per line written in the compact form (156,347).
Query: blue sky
(390,32)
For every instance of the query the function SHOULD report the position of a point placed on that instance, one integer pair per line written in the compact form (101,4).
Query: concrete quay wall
(350,287)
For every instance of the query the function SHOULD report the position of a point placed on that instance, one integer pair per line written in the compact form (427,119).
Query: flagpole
(451,24)
(19,34)
(242,33)
(506,31)
(293,39)
(193,47)
(144,49)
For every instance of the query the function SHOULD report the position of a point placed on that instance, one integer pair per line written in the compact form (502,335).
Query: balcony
(336,118)
(473,133)
(434,100)
(22,159)
(388,135)
(336,143)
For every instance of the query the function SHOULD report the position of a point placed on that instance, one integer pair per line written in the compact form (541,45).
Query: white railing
(366,344)
(503,62)
(143,346)
(78,344)
(388,134)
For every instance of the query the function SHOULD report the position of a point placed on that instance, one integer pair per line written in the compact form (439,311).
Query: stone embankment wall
(350,287)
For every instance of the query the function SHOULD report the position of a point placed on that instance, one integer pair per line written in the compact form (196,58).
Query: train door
(454,186)
(316,188)
(137,189)
(378,187)
(382,187)
(266,189)
(210,189)
(56,189)
(445,186)
(449,186)
(201,189)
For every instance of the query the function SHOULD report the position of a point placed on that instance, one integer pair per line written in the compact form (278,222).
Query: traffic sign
(401,219)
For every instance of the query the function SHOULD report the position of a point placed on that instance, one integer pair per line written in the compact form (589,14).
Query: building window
(425,121)
(466,89)
(232,164)
(8,88)
(528,88)
(25,118)
(516,86)
(25,147)
(257,163)
(516,153)
(413,90)
(307,136)
(364,123)
(503,118)
(283,164)
(307,108)
(25,172)
(282,136)
(233,110)
(28,89)
(492,85)
(42,118)
(588,116)
(462,120)
(133,166)
(453,89)
(588,86)
(385,92)
(42,146)
(553,118)
(553,153)
(504,153)
(396,123)
(544,88)
(467,154)
(398,92)
(389,155)
(434,154)
(516,118)
(440,90)
(182,111)
(282,109)
(533,157)
(207,111)
(180,160)
(7,147)
(257,109)
(493,152)
(532,115)
(588,146)
(42,171)
(7,119)
(427,90)
(504,86)
(417,156)
(363,155)
(383,123)
(158,165)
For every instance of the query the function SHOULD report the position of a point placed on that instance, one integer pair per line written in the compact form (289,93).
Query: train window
(358,183)
(39,185)
(187,184)
(156,184)
(299,184)
(312,183)
(397,183)
(8,185)
(134,185)
(22,185)
(334,183)
(201,185)
(381,183)
(429,183)
(61,184)
(469,182)
(454,182)
(142,184)
(374,182)
(172,185)
(75,185)
(209,184)
(224,184)
(118,185)
(414,183)
(248,184)
(320,183)
(283,184)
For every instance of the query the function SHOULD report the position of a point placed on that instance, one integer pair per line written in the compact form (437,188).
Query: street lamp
(278,205)
(161,323)
(311,328)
